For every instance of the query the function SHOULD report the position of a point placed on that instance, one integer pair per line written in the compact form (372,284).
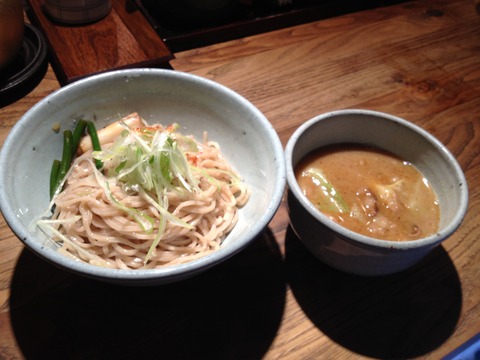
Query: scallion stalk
(92,131)
(66,155)
(54,176)
(78,132)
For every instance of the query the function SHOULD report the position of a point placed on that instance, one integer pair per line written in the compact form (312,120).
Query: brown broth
(370,191)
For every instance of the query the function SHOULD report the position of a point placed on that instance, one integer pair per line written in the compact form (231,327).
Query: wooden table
(420,61)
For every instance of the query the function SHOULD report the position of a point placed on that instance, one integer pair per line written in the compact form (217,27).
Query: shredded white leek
(150,161)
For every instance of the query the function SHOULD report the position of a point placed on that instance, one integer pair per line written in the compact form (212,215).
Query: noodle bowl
(111,221)
(247,140)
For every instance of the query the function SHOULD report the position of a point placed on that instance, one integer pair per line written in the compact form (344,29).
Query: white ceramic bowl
(349,251)
(246,137)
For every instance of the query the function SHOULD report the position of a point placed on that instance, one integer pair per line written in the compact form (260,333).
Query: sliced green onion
(328,198)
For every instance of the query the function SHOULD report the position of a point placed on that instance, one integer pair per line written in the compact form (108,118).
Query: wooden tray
(123,39)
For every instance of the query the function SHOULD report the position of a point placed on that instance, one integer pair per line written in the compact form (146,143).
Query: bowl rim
(355,237)
(169,273)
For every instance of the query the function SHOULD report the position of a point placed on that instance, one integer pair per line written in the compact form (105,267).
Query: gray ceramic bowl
(246,137)
(349,251)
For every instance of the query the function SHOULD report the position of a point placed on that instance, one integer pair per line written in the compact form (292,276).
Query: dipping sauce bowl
(349,251)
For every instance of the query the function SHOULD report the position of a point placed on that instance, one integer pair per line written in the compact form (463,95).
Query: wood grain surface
(419,60)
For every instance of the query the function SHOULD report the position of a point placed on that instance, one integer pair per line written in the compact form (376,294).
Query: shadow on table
(391,317)
(232,311)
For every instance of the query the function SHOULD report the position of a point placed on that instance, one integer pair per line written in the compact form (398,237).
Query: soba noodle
(109,222)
